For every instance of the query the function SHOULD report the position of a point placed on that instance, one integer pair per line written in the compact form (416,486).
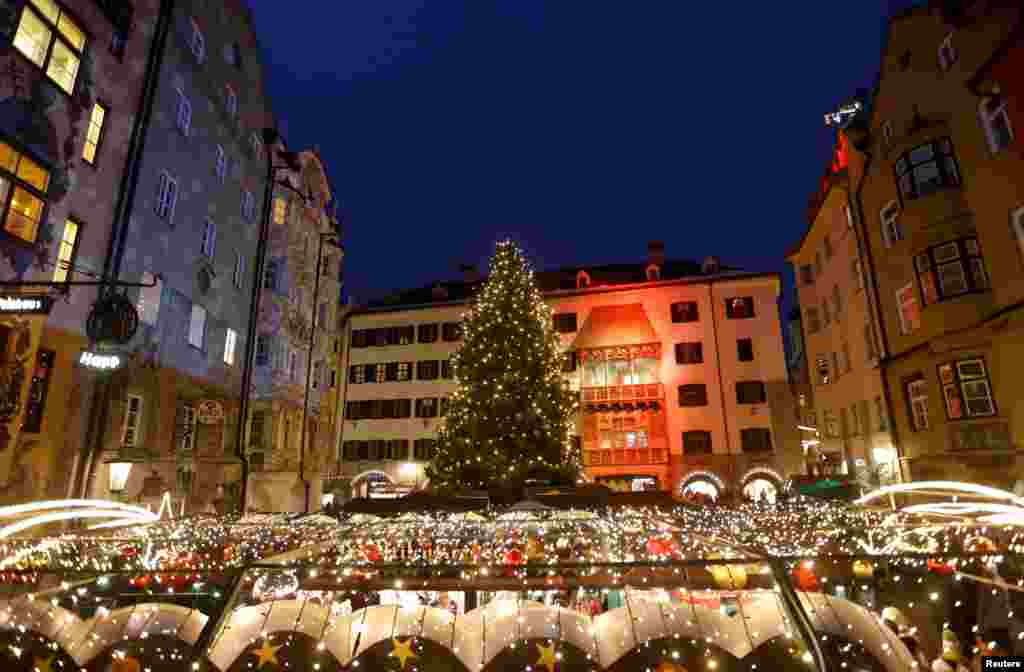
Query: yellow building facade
(938,192)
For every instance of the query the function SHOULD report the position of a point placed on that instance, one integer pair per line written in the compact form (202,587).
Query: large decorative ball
(275,585)
(863,569)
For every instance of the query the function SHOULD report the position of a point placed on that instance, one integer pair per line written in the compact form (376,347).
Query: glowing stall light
(19,509)
(42,519)
(954,487)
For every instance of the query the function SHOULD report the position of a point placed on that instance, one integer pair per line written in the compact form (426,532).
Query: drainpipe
(872,285)
(718,358)
(119,231)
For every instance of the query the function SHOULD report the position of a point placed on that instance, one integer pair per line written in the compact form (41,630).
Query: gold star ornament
(402,651)
(267,654)
(547,657)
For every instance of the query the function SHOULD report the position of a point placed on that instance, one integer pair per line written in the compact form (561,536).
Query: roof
(602,277)
(609,326)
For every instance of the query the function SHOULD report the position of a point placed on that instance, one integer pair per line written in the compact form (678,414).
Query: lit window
(94,133)
(947,53)
(132,421)
(739,308)
(230,340)
(221,166)
(966,389)
(231,102)
(209,243)
(909,310)
(892,232)
(280,210)
(197,326)
(917,397)
(951,269)
(238,276)
(823,368)
(926,169)
(184,115)
(52,40)
(23,185)
(197,43)
(166,196)
(149,299)
(66,251)
(995,119)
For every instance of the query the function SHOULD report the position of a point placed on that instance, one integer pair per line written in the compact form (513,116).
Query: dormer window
(653,272)
(582,280)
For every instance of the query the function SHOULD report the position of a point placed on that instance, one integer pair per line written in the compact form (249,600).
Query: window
(568,361)
(187,429)
(565,323)
(374,373)
(427,333)
(995,120)
(806,274)
(427,370)
(38,390)
(357,374)
(52,40)
(234,55)
(209,243)
(694,394)
(230,340)
(690,353)
(197,43)
(697,442)
(399,335)
(756,440)
(293,365)
(685,311)
(813,321)
(423,449)
(257,147)
(118,41)
(184,113)
(951,269)
(917,398)
(892,231)
(447,369)
(66,252)
(857,275)
(197,326)
(750,392)
(270,276)
(166,196)
(887,133)
(947,53)
(248,206)
(132,421)
(745,349)
(827,244)
(315,382)
(883,418)
(926,169)
(426,408)
(238,277)
(451,331)
(966,389)
(221,164)
(404,371)
(94,133)
(231,101)
(334,378)
(149,299)
(325,265)
(909,310)
(23,186)
(321,317)
(739,307)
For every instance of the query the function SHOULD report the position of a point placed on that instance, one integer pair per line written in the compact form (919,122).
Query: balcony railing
(625,456)
(644,392)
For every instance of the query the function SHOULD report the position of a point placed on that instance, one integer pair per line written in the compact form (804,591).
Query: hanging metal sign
(113,319)
(25,304)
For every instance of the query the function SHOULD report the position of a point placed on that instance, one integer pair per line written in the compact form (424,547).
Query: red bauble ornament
(513,557)
(940,568)
(805,578)
(371,553)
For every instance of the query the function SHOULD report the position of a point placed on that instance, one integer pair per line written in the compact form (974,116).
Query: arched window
(653,272)
(582,280)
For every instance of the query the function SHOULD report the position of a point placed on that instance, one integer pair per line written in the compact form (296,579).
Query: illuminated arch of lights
(75,509)
(701,475)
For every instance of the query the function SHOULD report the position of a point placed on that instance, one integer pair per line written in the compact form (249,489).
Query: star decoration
(402,651)
(44,664)
(547,657)
(267,654)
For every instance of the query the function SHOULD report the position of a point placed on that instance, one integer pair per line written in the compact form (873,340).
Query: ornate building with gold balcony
(679,367)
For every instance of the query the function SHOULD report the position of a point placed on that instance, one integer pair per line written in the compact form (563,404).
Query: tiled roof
(608,326)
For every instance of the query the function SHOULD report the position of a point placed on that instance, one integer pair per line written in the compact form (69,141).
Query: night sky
(581,130)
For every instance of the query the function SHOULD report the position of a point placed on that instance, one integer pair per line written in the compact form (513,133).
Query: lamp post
(331,238)
(291,162)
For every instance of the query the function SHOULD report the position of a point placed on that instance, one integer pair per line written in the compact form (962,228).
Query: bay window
(599,372)
(23,186)
(951,269)
(926,169)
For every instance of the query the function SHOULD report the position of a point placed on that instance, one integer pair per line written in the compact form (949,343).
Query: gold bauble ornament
(863,569)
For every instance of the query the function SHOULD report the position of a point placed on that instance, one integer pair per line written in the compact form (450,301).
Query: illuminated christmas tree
(509,420)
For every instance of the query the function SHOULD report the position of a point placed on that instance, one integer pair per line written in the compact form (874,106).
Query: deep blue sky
(583,130)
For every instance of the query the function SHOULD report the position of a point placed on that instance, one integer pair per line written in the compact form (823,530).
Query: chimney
(469,273)
(711,265)
(656,253)
(439,292)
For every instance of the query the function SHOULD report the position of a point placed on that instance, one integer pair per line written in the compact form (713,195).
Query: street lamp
(331,238)
(119,477)
(291,162)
